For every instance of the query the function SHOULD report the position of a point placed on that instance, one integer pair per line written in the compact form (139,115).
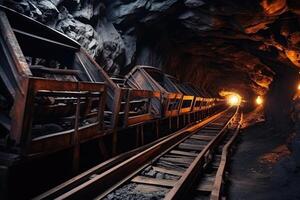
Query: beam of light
(298,87)
(234,99)
(259,100)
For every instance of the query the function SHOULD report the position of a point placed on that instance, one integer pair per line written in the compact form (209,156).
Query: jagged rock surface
(218,45)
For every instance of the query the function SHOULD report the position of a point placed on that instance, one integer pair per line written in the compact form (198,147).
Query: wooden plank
(206,184)
(168,171)
(49,70)
(20,71)
(191,147)
(171,165)
(140,118)
(178,156)
(149,189)
(116,106)
(217,157)
(143,93)
(217,123)
(207,133)
(209,130)
(214,126)
(183,153)
(46,40)
(182,160)
(202,137)
(196,142)
(215,164)
(205,187)
(153,181)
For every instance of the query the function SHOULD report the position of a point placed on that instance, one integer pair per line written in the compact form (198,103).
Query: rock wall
(295,144)
(218,45)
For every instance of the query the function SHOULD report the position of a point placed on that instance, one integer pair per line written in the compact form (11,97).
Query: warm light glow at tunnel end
(234,99)
(259,100)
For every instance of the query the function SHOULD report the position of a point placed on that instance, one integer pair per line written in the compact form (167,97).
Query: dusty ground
(262,166)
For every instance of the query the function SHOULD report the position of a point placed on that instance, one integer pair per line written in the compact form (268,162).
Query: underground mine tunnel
(150,99)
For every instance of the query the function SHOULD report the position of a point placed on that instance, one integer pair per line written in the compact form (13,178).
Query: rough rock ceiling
(216,44)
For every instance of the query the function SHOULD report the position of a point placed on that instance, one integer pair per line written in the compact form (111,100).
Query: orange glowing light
(259,100)
(234,100)
(298,86)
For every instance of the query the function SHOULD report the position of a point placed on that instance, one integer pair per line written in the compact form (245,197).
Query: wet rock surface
(218,45)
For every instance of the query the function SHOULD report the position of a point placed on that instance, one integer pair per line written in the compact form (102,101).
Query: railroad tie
(183,153)
(192,147)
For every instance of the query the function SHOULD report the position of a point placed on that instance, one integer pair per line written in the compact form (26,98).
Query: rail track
(210,183)
(187,163)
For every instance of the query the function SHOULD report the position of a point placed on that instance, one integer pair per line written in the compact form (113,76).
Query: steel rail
(100,183)
(118,184)
(217,187)
(189,176)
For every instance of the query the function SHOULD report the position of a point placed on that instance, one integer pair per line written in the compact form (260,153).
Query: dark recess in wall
(279,99)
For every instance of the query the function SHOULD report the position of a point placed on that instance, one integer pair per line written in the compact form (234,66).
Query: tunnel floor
(262,166)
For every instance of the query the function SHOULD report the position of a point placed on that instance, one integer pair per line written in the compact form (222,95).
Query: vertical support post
(103,149)
(100,119)
(115,112)
(157,128)
(137,138)
(4,182)
(114,141)
(142,134)
(26,127)
(19,109)
(170,123)
(101,108)
(75,141)
(126,108)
